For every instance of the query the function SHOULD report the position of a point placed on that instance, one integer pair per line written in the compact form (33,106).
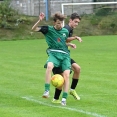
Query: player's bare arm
(35,27)
(78,38)
(71,45)
(74,38)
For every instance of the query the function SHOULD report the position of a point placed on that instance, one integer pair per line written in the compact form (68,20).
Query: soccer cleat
(56,101)
(63,103)
(74,94)
(46,94)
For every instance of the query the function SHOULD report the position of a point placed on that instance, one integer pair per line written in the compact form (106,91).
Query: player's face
(74,23)
(58,24)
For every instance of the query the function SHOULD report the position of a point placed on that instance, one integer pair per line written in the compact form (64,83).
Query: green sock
(65,95)
(47,87)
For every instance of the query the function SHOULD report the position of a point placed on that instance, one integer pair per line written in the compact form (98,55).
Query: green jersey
(56,39)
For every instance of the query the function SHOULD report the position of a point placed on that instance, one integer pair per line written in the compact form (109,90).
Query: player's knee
(50,66)
(66,74)
(77,69)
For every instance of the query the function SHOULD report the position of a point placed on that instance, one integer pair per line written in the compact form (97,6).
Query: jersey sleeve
(43,29)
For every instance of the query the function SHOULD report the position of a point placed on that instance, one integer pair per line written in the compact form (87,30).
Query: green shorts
(59,60)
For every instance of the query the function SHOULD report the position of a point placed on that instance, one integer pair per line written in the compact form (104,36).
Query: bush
(108,23)
(103,11)
(95,20)
(9,18)
(6,14)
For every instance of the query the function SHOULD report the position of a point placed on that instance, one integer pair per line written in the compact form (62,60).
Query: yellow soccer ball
(57,80)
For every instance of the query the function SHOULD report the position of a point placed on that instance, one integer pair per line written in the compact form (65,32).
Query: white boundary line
(62,107)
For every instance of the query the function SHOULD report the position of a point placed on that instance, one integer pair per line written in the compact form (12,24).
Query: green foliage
(91,24)
(7,14)
(25,20)
(108,23)
(95,19)
(105,23)
(9,17)
(103,11)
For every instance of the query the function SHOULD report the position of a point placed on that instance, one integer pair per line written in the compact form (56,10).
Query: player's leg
(66,66)
(65,87)
(57,70)
(57,95)
(75,78)
(49,66)
(47,79)
(76,73)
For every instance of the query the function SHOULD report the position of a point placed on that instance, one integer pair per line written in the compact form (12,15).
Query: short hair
(75,16)
(58,16)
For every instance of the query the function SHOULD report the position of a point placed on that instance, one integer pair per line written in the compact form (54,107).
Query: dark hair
(58,16)
(75,16)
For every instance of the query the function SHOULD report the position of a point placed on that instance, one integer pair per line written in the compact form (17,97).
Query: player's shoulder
(64,29)
(67,27)
(43,27)
(50,26)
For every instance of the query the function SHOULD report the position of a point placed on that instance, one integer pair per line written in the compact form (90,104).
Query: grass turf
(22,79)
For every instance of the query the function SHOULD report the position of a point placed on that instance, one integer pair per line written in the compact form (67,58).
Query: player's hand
(72,46)
(41,16)
(79,39)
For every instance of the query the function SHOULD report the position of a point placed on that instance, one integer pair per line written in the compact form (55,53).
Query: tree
(6,14)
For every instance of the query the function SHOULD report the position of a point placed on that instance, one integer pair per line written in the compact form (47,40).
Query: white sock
(63,99)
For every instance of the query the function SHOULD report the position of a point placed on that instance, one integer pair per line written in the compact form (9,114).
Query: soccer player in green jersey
(73,22)
(59,55)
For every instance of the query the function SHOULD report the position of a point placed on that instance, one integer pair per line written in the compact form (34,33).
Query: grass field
(22,79)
